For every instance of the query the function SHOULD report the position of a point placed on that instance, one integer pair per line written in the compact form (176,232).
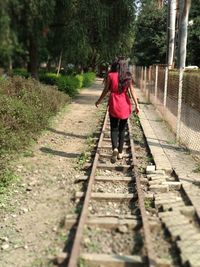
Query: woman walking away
(119,107)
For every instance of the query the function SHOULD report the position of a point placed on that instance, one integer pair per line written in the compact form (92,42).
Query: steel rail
(147,233)
(83,217)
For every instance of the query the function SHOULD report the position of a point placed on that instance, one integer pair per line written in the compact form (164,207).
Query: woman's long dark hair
(114,67)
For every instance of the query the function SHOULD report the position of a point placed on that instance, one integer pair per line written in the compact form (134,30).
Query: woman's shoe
(114,155)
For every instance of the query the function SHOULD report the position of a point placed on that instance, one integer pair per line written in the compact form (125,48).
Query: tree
(94,31)
(31,18)
(84,32)
(193,51)
(150,37)
(8,38)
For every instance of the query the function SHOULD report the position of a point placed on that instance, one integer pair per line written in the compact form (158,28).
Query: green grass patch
(149,203)
(7,179)
(197,169)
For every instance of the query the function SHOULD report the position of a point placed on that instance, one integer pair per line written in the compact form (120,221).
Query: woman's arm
(133,94)
(104,93)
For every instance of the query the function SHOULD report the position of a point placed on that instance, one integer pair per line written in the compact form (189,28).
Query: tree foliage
(150,37)
(193,47)
(86,33)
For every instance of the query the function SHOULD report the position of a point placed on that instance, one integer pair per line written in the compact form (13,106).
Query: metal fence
(176,94)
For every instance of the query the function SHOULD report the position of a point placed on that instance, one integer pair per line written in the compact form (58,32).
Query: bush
(21,72)
(69,85)
(88,78)
(25,108)
(80,80)
(49,78)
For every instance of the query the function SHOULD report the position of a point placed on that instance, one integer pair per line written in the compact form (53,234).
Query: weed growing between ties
(82,263)
(197,169)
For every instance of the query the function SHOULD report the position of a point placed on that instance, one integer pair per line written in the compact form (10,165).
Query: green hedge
(69,84)
(88,78)
(49,78)
(25,109)
(21,72)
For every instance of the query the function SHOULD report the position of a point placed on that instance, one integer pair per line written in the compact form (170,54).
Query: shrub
(21,72)
(69,85)
(49,78)
(88,78)
(25,108)
(79,77)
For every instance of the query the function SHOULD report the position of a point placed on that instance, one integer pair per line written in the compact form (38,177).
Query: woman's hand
(97,103)
(137,111)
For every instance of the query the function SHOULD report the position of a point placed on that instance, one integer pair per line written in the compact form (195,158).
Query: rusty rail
(83,217)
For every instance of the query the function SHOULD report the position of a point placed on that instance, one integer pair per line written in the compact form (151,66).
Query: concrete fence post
(180,93)
(145,79)
(165,86)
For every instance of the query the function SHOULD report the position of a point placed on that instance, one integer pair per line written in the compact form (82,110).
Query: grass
(85,156)
(149,203)
(93,246)
(7,179)
(197,169)
(40,262)
(28,153)
(82,159)
(82,263)
(78,208)
(150,158)
(136,119)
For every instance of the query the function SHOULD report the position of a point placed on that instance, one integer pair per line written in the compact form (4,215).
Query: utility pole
(171,31)
(184,8)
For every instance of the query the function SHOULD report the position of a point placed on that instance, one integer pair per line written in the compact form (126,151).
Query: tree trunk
(59,63)
(171,31)
(33,57)
(10,63)
(184,7)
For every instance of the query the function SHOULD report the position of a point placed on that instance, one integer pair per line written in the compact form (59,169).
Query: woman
(119,107)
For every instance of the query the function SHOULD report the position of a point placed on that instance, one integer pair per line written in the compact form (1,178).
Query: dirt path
(29,227)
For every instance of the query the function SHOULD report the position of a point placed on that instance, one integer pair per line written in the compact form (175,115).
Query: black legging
(117,127)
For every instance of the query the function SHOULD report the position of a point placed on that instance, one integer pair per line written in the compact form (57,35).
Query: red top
(119,102)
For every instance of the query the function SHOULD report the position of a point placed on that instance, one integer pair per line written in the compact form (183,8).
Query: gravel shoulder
(36,205)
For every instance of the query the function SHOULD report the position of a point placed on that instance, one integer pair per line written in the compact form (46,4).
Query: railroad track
(116,214)
(127,212)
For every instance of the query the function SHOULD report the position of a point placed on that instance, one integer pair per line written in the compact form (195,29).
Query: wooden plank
(108,223)
(115,178)
(104,155)
(114,260)
(108,139)
(114,167)
(110,147)
(106,196)
(108,178)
